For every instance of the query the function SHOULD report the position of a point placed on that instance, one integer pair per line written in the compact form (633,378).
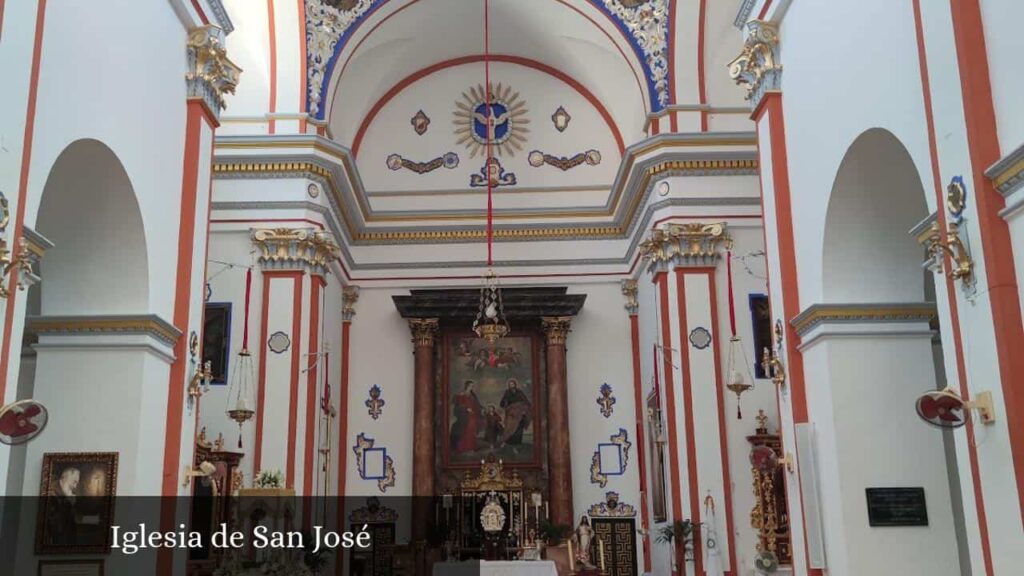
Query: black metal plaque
(896,507)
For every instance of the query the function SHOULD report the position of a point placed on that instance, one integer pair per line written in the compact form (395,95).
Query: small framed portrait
(70,568)
(76,504)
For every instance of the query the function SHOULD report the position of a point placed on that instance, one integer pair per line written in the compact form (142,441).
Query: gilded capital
(349,297)
(291,248)
(424,331)
(629,290)
(689,244)
(556,329)
(210,74)
(757,68)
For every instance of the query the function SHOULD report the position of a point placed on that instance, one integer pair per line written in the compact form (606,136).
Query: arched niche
(877,197)
(89,210)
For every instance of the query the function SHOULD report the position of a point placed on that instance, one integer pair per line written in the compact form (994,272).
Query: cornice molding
(743,14)
(1007,175)
(117,324)
(871,313)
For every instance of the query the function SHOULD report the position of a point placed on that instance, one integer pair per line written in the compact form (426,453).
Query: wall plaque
(896,507)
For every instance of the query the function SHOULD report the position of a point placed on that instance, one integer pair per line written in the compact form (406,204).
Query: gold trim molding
(295,247)
(150,325)
(689,244)
(862,313)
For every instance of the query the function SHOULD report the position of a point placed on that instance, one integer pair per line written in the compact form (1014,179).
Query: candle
(572,560)
(546,513)
(600,550)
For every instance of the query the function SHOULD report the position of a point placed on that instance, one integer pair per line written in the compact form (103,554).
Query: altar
(497,568)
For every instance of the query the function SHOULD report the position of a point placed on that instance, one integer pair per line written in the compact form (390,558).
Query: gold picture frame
(76,504)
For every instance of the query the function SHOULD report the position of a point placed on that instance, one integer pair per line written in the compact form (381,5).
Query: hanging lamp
(735,381)
(490,323)
(241,404)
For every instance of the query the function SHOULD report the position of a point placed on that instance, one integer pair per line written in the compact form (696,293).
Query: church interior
(513,287)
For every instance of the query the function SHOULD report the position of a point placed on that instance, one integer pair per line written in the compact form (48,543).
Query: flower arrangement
(269,479)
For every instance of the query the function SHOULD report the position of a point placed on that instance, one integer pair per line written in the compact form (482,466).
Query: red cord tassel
(732,300)
(487,132)
(248,293)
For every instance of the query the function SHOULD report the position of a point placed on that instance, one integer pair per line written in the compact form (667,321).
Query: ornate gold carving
(771,361)
(691,244)
(950,244)
(556,329)
(210,74)
(629,290)
(492,476)
(424,331)
(349,297)
(757,68)
(295,247)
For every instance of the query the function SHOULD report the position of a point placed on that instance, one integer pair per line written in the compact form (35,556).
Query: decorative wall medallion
(375,403)
(538,158)
(374,463)
(279,342)
(497,175)
(449,161)
(663,188)
(561,119)
(504,122)
(606,401)
(700,338)
(612,508)
(956,198)
(373,512)
(313,190)
(420,122)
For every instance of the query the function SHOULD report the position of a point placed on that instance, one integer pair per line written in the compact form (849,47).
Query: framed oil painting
(70,568)
(491,401)
(76,504)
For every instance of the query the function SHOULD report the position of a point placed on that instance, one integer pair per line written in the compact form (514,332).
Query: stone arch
(876,198)
(89,210)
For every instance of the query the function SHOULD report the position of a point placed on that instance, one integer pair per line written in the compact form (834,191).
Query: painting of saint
(492,401)
(76,508)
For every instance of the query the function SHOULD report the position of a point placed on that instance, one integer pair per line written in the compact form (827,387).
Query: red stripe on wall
(638,413)
(19,218)
(723,437)
(312,405)
(954,312)
(257,455)
(670,399)
(293,395)
(1004,297)
(691,429)
(272,27)
(199,11)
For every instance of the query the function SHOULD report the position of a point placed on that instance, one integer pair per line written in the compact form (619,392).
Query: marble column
(559,465)
(424,333)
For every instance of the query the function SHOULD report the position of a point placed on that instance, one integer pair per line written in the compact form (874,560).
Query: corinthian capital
(629,290)
(757,68)
(556,329)
(424,331)
(210,74)
(290,248)
(349,297)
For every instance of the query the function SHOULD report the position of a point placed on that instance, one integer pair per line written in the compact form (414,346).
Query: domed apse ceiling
(400,83)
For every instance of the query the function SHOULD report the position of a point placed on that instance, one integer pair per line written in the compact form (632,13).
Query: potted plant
(679,535)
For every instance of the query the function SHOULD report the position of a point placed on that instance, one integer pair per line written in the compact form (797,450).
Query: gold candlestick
(600,550)
(572,560)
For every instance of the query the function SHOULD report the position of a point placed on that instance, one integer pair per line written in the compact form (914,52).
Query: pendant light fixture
(241,404)
(490,323)
(735,381)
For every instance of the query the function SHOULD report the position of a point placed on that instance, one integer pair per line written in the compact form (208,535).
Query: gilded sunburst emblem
(505,122)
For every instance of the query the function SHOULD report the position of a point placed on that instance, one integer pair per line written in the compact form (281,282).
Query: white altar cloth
(485,568)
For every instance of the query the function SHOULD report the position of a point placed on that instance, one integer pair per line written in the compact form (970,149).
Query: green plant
(269,479)
(676,531)
(554,533)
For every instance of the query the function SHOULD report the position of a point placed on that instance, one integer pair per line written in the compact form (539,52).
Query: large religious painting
(76,505)
(491,401)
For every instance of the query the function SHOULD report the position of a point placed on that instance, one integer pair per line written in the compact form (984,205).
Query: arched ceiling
(362,49)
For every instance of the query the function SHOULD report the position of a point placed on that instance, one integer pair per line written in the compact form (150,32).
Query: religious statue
(468,412)
(517,414)
(584,536)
